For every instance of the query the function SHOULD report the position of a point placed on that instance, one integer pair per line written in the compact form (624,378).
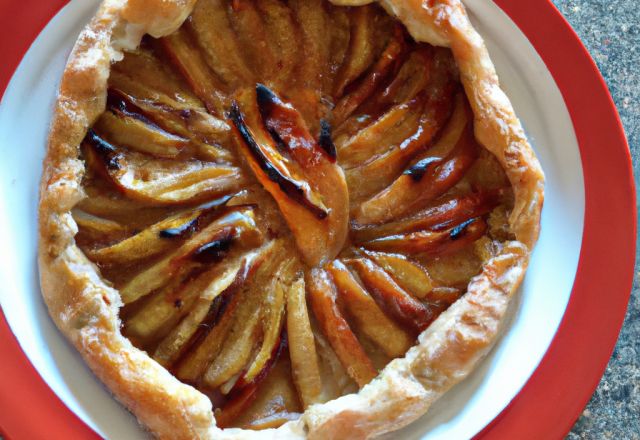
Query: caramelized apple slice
(143,75)
(111,204)
(139,135)
(253,39)
(273,170)
(322,296)
(272,322)
(439,217)
(97,227)
(244,339)
(390,165)
(170,305)
(394,301)
(235,272)
(306,373)
(362,48)
(277,402)
(423,182)
(408,274)
(237,406)
(372,80)
(190,61)
(283,41)
(156,239)
(203,131)
(210,25)
(207,341)
(215,238)
(325,38)
(159,181)
(239,342)
(411,78)
(173,345)
(271,329)
(368,317)
(390,131)
(316,206)
(432,243)
(273,403)
(194,363)
(336,381)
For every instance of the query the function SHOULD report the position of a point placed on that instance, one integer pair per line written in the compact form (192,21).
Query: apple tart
(283,219)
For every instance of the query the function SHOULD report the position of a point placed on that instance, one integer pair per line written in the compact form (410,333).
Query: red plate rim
(554,396)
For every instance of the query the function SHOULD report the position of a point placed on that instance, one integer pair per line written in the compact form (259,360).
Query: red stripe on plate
(555,395)
(20,23)
(29,409)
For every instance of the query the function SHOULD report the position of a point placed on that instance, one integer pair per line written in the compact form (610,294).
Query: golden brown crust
(85,308)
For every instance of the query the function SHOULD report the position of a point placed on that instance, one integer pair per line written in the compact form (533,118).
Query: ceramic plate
(563,326)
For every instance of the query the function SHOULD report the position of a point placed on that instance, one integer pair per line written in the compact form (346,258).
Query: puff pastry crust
(86,309)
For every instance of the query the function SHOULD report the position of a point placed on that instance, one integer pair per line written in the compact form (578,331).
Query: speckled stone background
(610,29)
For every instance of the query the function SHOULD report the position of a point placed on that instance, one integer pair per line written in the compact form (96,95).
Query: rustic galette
(300,218)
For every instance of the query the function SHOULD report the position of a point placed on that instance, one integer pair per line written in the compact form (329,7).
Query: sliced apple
(234,368)
(395,302)
(253,39)
(236,407)
(317,162)
(206,342)
(138,134)
(408,274)
(209,23)
(313,62)
(156,239)
(421,183)
(235,273)
(432,243)
(302,347)
(97,227)
(159,181)
(110,204)
(389,166)
(309,189)
(411,78)
(323,296)
(147,77)
(277,401)
(274,310)
(445,215)
(204,132)
(195,361)
(389,132)
(444,295)
(362,48)
(239,342)
(372,80)
(440,87)
(270,401)
(272,169)
(369,319)
(190,61)
(173,345)
(168,307)
(212,240)
(325,38)
(284,43)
